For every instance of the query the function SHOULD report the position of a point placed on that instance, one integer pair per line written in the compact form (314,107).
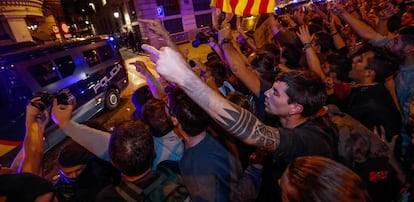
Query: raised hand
(304,35)
(155,26)
(388,11)
(34,115)
(225,32)
(171,65)
(61,114)
(141,67)
(380,131)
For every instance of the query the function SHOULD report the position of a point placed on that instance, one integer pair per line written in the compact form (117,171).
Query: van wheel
(112,99)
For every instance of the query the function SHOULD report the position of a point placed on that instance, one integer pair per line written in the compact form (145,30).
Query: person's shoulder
(108,193)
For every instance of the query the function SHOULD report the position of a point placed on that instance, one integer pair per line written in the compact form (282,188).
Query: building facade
(27,20)
(182,18)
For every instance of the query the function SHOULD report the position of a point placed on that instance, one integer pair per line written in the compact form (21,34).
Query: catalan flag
(245,7)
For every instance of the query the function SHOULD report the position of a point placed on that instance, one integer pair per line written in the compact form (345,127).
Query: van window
(44,73)
(66,65)
(91,57)
(105,53)
(3,95)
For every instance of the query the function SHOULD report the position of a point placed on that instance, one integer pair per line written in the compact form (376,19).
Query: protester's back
(131,149)
(168,186)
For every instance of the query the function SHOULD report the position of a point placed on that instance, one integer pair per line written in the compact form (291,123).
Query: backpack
(356,143)
(168,187)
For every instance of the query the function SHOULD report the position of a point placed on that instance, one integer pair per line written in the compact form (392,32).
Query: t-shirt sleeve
(308,140)
(379,40)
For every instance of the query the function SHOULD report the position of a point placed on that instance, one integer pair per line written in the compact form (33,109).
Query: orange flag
(245,7)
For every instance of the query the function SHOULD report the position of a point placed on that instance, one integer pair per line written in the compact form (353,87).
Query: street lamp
(116,14)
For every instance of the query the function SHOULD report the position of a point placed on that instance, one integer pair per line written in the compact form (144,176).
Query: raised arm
(156,88)
(312,59)
(36,122)
(241,123)
(361,28)
(93,140)
(156,27)
(337,38)
(237,65)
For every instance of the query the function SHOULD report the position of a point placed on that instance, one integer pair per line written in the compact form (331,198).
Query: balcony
(10,8)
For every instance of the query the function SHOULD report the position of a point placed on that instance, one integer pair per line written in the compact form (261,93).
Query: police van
(92,70)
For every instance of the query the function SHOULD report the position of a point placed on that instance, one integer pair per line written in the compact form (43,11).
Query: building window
(200,5)
(65,65)
(44,73)
(174,25)
(105,53)
(204,20)
(91,57)
(171,7)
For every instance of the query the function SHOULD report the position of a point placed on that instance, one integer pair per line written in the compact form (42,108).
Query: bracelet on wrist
(225,41)
(333,34)
(306,46)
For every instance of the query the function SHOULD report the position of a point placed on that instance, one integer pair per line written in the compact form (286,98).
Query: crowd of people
(324,111)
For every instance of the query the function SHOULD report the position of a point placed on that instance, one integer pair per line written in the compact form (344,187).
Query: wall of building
(146,9)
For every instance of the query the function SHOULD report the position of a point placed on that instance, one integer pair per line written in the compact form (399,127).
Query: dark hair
(153,113)
(317,178)
(24,187)
(340,65)
(192,118)
(394,23)
(239,99)
(325,41)
(131,147)
(315,25)
(73,154)
(264,62)
(305,88)
(383,64)
(213,57)
(218,71)
(139,98)
(407,34)
(292,54)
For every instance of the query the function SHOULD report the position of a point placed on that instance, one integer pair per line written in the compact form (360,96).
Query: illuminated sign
(55,29)
(160,11)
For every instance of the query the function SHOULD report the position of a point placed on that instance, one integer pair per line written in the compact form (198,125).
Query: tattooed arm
(241,123)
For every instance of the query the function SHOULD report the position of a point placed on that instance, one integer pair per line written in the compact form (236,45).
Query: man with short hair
(369,101)
(210,172)
(131,149)
(402,87)
(168,145)
(295,97)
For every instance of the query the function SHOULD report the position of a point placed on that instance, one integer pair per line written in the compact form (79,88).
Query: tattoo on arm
(245,126)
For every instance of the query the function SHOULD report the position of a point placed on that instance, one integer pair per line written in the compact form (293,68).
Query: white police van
(91,69)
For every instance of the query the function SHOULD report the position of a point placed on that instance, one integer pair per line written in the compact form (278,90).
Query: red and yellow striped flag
(245,7)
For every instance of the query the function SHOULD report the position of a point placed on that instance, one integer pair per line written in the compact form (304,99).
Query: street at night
(108,119)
